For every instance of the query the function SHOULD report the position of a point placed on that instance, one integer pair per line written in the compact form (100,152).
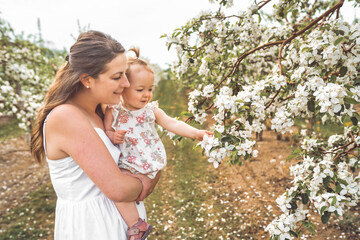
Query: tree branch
(263,4)
(331,10)
(243,56)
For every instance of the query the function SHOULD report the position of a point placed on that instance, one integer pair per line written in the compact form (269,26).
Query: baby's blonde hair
(132,61)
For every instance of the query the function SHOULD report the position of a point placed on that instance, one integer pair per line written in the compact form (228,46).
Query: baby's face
(140,91)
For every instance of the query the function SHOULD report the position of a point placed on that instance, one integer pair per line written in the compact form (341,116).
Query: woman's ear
(85,80)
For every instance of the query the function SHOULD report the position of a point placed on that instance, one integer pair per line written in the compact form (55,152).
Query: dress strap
(44,142)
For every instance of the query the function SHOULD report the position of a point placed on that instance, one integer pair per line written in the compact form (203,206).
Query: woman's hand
(148,185)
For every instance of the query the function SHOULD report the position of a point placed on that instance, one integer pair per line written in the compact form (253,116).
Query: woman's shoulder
(66,114)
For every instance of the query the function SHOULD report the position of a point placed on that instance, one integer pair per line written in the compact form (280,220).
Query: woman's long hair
(89,54)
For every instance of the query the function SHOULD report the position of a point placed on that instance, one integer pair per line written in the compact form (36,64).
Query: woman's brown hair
(89,54)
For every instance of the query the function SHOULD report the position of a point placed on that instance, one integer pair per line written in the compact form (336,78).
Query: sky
(132,22)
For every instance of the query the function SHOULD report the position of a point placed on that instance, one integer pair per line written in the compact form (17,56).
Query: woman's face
(109,85)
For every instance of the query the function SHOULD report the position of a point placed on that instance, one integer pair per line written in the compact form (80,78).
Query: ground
(248,192)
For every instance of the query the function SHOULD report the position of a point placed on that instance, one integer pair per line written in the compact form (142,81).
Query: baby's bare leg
(129,212)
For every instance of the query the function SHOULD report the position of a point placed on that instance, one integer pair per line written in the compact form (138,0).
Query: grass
(350,222)
(10,130)
(192,202)
(185,204)
(33,219)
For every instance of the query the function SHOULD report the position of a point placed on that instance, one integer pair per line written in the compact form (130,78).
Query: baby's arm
(116,137)
(178,127)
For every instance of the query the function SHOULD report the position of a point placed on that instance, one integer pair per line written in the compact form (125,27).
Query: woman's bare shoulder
(66,115)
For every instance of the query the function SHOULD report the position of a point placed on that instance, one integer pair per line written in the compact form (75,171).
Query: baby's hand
(119,136)
(200,134)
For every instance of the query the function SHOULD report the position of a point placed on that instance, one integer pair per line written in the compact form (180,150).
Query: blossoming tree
(301,61)
(26,70)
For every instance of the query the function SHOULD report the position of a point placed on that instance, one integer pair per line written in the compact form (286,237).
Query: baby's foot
(139,231)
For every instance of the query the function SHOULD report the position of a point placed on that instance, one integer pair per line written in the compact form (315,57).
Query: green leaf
(177,137)
(333,78)
(325,217)
(326,181)
(354,120)
(304,198)
(342,181)
(333,202)
(291,156)
(322,210)
(343,71)
(308,49)
(310,226)
(186,114)
(234,139)
(293,233)
(234,159)
(196,147)
(339,40)
(250,119)
(357,82)
(226,139)
(217,134)
(338,188)
(350,100)
(311,106)
(293,205)
(169,45)
(296,151)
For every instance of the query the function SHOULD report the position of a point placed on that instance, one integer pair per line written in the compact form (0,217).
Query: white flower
(208,90)
(255,153)
(350,188)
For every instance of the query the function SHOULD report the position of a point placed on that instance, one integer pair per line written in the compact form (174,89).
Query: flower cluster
(215,155)
(330,98)
(24,74)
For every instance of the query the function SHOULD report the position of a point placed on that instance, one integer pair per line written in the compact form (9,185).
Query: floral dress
(142,150)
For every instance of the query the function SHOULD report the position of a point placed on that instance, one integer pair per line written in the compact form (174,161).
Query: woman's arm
(68,131)
(178,127)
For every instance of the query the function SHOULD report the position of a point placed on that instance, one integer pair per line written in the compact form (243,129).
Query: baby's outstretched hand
(200,134)
(119,136)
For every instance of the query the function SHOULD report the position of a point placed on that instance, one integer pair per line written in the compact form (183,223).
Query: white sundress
(142,150)
(83,212)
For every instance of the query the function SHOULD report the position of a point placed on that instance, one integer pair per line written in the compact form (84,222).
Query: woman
(69,134)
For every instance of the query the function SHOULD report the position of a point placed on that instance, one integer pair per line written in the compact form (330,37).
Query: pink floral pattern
(146,165)
(123,118)
(131,159)
(141,118)
(142,151)
(133,141)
